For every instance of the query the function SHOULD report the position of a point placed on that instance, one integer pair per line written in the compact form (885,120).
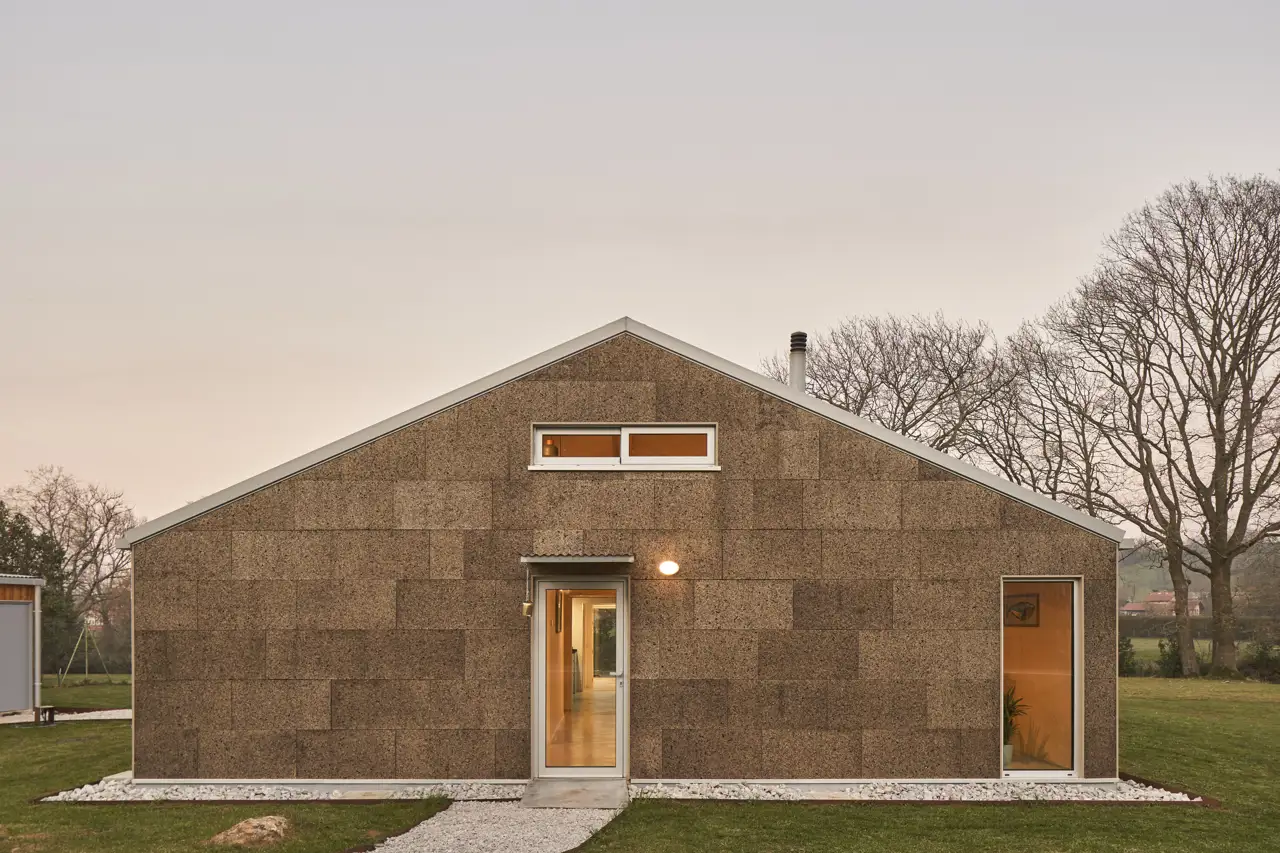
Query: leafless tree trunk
(1045,432)
(87,520)
(1180,329)
(1174,559)
(922,376)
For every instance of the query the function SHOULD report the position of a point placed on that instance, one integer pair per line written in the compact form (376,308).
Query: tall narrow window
(1039,676)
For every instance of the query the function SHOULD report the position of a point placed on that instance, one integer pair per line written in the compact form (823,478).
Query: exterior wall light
(668,567)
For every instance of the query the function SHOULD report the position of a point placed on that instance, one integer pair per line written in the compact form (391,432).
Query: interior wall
(581,609)
(586,652)
(558,674)
(1038,666)
(566,651)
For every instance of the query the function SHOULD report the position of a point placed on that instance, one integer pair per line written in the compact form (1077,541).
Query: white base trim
(397,784)
(844,783)
(330,784)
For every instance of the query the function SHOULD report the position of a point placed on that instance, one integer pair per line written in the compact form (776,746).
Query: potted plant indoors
(1014,707)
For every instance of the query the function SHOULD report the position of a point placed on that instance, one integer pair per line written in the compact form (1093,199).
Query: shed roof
(625,325)
(20,580)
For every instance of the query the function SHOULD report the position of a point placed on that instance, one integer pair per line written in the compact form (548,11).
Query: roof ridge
(623,325)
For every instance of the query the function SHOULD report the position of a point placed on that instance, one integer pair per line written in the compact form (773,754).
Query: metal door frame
(538,664)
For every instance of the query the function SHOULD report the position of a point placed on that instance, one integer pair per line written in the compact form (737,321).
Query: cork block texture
(837,613)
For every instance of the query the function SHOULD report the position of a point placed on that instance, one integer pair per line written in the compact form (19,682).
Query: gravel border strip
(1199,799)
(1129,790)
(1124,792)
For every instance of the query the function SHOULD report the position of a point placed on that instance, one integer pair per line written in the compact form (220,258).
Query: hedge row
(1201,627)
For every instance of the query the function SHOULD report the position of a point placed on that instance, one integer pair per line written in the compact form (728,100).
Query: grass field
(39,761)
(97,691)
(1218,739)
(1147,649)
(1221,739)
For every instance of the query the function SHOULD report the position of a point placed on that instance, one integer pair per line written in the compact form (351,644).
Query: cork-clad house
(625,557)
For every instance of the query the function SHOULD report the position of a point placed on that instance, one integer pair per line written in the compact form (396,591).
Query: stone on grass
(254,832)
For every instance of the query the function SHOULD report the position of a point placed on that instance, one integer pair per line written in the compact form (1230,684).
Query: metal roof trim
(590,339)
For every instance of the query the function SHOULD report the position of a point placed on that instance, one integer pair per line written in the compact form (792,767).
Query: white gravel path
(70,717)
(472,827)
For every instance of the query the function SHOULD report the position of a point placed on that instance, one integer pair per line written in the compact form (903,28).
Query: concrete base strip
(70,716)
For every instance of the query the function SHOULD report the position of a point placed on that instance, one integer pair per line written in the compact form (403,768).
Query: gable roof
(624,325)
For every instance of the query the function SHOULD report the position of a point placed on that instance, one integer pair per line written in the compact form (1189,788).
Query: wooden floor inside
(586,736)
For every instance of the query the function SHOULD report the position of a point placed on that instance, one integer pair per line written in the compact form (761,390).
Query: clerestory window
(654,447)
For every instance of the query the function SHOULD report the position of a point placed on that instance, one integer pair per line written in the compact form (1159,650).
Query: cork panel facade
(837,613)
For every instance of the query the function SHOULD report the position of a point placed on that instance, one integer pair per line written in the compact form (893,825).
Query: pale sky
(232,232)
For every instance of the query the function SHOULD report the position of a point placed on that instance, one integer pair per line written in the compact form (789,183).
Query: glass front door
(580,677)
(1040,677)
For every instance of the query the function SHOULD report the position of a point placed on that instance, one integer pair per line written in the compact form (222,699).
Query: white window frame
(560,462)
(625,461)
(1077,678)
(708,459)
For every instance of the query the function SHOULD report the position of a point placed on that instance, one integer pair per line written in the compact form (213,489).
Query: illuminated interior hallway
(581,704)
(585,737)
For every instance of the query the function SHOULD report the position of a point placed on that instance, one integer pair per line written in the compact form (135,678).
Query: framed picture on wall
(1022,610)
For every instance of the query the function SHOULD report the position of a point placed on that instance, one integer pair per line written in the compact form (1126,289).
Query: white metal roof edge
(874,430)
(20,580)
(568,348)
(368,434)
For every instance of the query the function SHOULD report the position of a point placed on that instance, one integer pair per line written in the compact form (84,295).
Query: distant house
(1161,603)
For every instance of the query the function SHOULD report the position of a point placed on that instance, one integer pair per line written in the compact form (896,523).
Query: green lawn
(1221,739)
(1147,649)
(1218,739)
(37,761)
(97,691)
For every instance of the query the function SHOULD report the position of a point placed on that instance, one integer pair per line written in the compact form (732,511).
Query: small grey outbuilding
(19,642)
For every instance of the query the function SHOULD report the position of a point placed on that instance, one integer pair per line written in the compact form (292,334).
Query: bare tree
(1177,333)
(1038,431)
(1045,432)
(922,376)
(86,520)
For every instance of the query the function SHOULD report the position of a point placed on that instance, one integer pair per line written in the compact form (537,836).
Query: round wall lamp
(668,567)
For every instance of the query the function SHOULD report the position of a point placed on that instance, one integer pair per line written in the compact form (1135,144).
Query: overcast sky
(232,232)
